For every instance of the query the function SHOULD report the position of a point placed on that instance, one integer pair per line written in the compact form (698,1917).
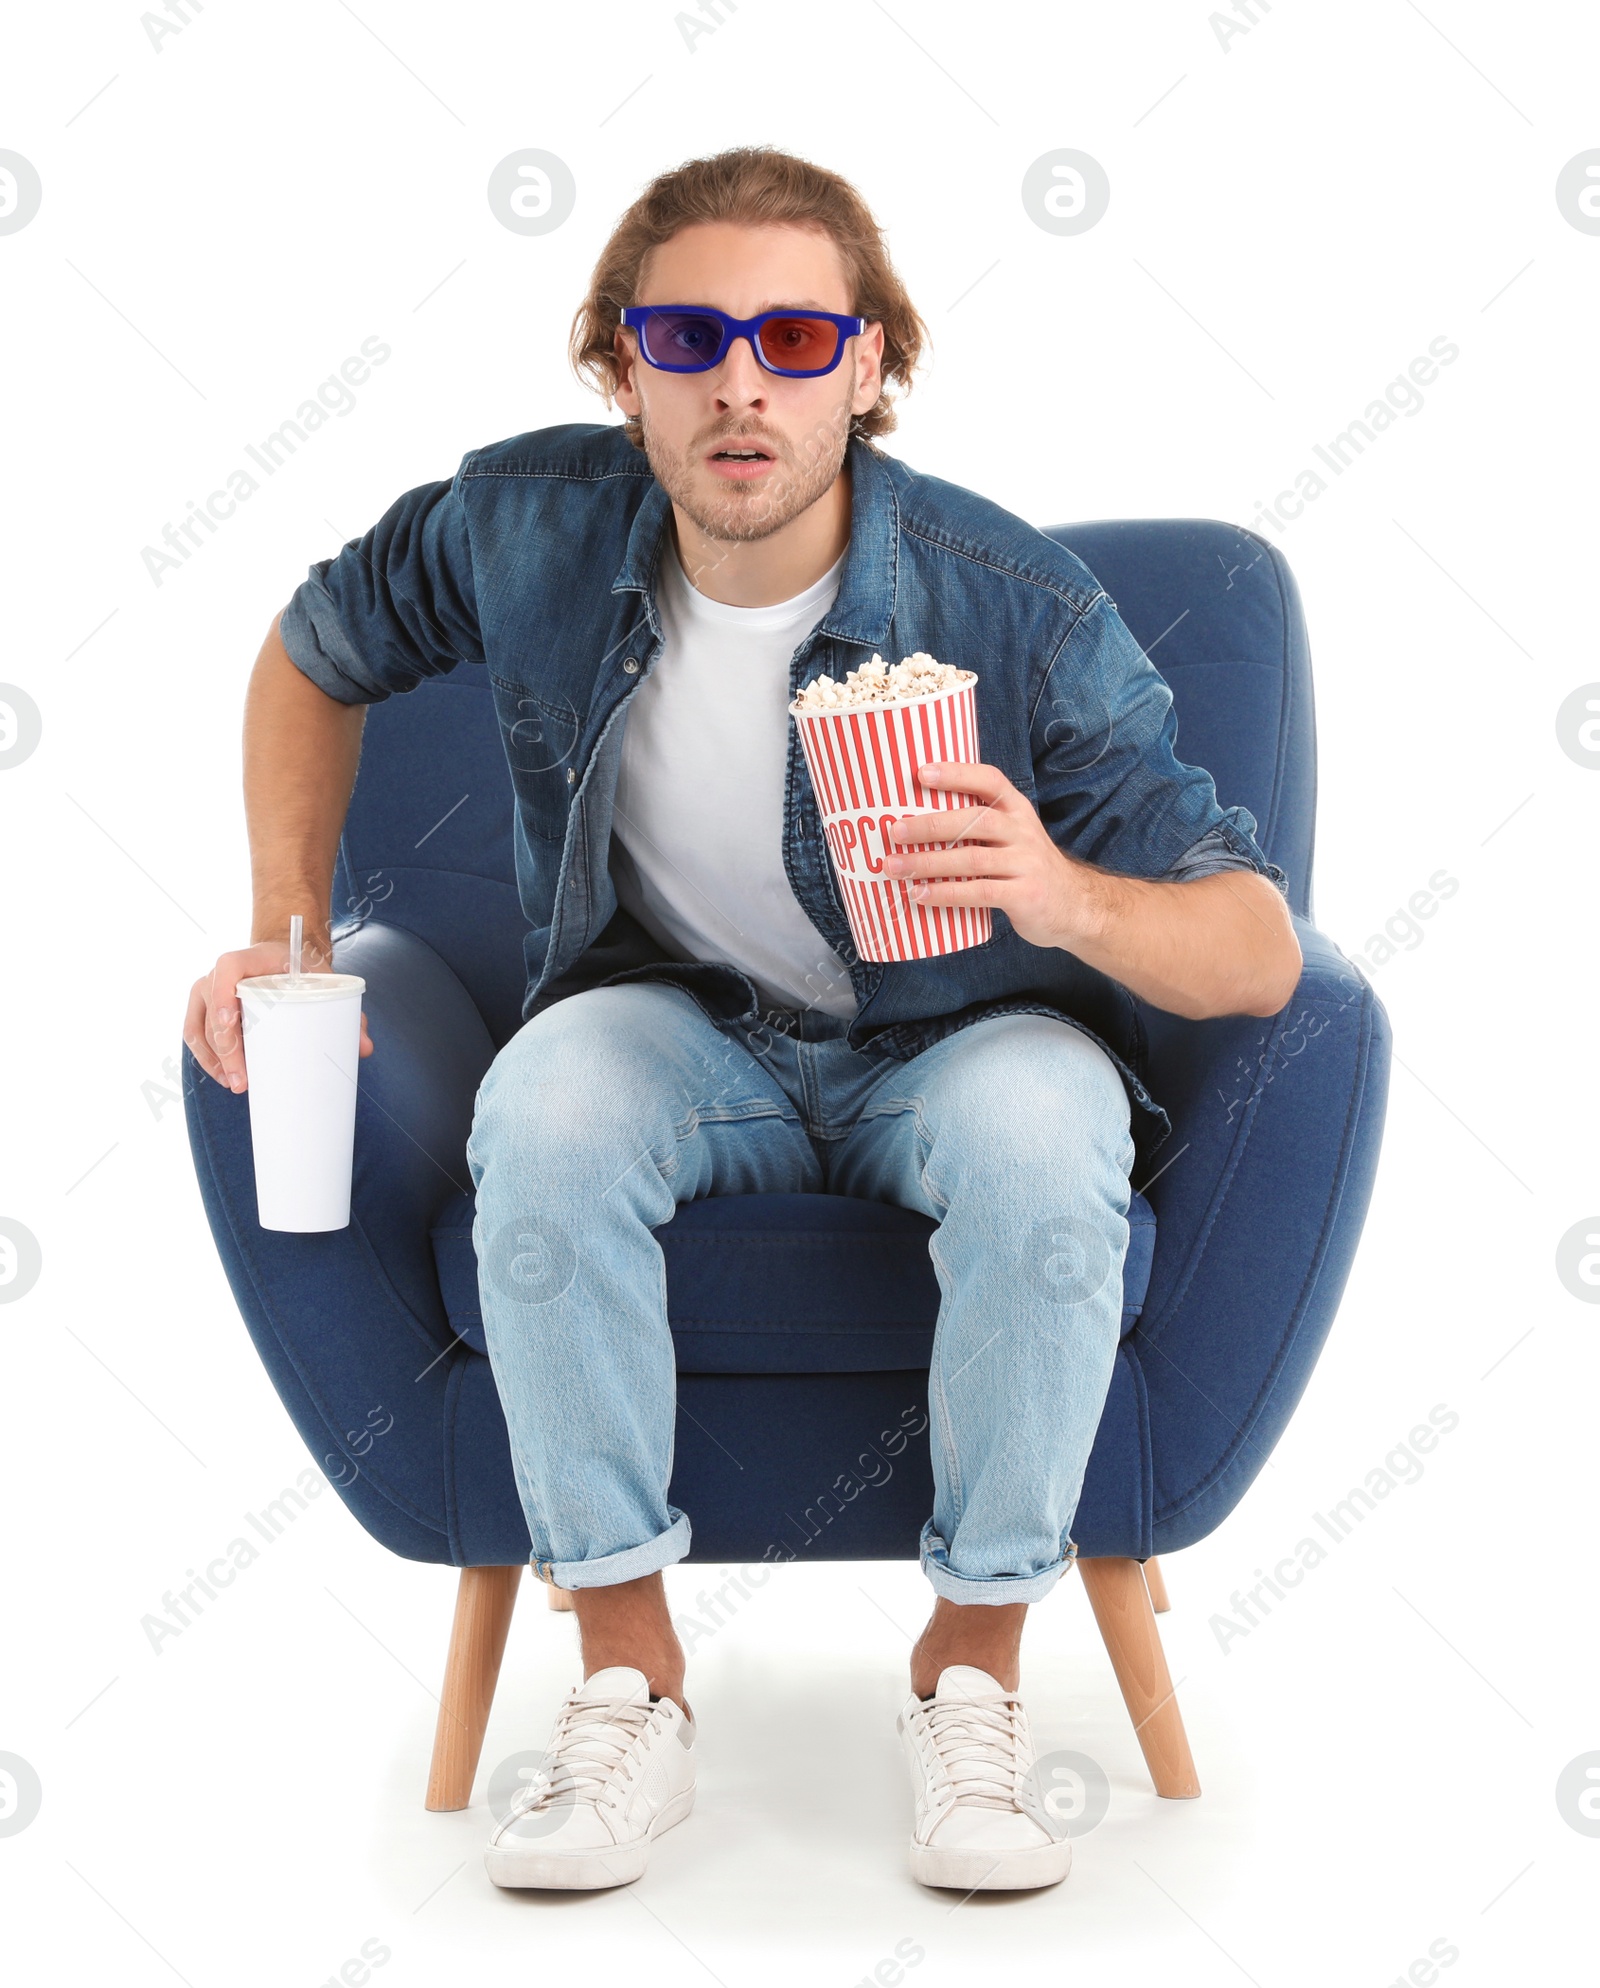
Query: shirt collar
(863,608)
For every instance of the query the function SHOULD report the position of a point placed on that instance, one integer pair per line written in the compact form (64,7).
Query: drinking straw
(295,923)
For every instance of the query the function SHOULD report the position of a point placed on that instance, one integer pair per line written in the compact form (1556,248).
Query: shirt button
(572,774)
(631,665)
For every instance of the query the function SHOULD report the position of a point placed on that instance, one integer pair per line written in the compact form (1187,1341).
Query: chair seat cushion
(786,1283)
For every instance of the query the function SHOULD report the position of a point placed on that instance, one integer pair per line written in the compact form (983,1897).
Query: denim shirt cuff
(318,647)
(1225,847)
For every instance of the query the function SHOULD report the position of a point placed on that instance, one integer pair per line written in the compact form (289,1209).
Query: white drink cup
(302,1051)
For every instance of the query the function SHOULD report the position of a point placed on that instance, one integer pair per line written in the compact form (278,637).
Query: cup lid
(309,987)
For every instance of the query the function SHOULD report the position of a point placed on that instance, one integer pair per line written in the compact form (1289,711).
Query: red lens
(799,344)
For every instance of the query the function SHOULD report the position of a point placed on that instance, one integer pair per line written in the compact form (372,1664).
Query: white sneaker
(980,1823)
(618,1771)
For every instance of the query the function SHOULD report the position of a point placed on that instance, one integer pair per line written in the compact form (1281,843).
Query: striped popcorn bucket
(863,763)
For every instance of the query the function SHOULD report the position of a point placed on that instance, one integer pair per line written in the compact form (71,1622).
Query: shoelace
(589,1744)
(980,1749)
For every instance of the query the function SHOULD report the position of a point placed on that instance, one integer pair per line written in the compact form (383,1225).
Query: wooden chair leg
(484,1603)
(559,1597)
(1121,1605)
(1156,1582)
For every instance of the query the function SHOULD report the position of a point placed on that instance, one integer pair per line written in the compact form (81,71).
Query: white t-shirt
(697,837)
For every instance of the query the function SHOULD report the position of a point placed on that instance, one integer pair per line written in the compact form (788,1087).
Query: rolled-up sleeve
(393,607)
(1111,788)
(1230,845)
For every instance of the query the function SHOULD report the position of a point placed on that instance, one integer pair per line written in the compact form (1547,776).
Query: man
(647,600)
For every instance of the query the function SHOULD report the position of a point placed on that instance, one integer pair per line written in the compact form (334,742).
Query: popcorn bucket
(863,761)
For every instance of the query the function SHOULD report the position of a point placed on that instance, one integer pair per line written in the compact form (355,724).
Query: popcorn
(878,682)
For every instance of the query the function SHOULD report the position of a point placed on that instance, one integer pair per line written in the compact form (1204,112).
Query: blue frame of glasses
(637,317)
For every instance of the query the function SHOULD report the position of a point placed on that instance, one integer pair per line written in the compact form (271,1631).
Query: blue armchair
(803,1323)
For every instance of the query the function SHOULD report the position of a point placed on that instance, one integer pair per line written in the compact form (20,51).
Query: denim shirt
(537,561)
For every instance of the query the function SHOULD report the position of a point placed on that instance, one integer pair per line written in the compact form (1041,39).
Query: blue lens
(681,340)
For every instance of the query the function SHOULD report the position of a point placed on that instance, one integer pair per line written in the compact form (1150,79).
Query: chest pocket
(540,736)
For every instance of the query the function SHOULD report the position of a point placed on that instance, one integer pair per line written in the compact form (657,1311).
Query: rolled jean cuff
(995,1589)
(629,1565)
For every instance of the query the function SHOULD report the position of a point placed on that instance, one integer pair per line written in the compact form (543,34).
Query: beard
(741,513)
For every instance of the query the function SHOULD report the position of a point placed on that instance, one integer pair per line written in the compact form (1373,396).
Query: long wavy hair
(754,186)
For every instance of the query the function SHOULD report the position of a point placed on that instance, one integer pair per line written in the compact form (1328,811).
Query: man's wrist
(269,926)
(1093,904)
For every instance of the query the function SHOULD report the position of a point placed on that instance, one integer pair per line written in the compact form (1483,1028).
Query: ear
(626,395)
(869,368)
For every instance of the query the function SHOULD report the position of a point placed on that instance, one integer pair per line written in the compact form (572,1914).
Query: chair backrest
(1216,609)
(428,839)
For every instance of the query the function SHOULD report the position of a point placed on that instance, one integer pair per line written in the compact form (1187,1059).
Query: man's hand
(1223,944)
(212,1026)
(1004,851)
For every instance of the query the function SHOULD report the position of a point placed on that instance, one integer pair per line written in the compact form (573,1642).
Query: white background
(1293,218)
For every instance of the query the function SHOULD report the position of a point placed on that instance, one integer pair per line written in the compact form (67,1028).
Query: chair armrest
(430,1050)
(350,1322)
(1260,1195)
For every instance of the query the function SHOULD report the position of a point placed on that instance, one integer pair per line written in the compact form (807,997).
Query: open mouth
(740,462)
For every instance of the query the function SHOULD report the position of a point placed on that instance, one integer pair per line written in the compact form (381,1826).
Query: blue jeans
(612,1106)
